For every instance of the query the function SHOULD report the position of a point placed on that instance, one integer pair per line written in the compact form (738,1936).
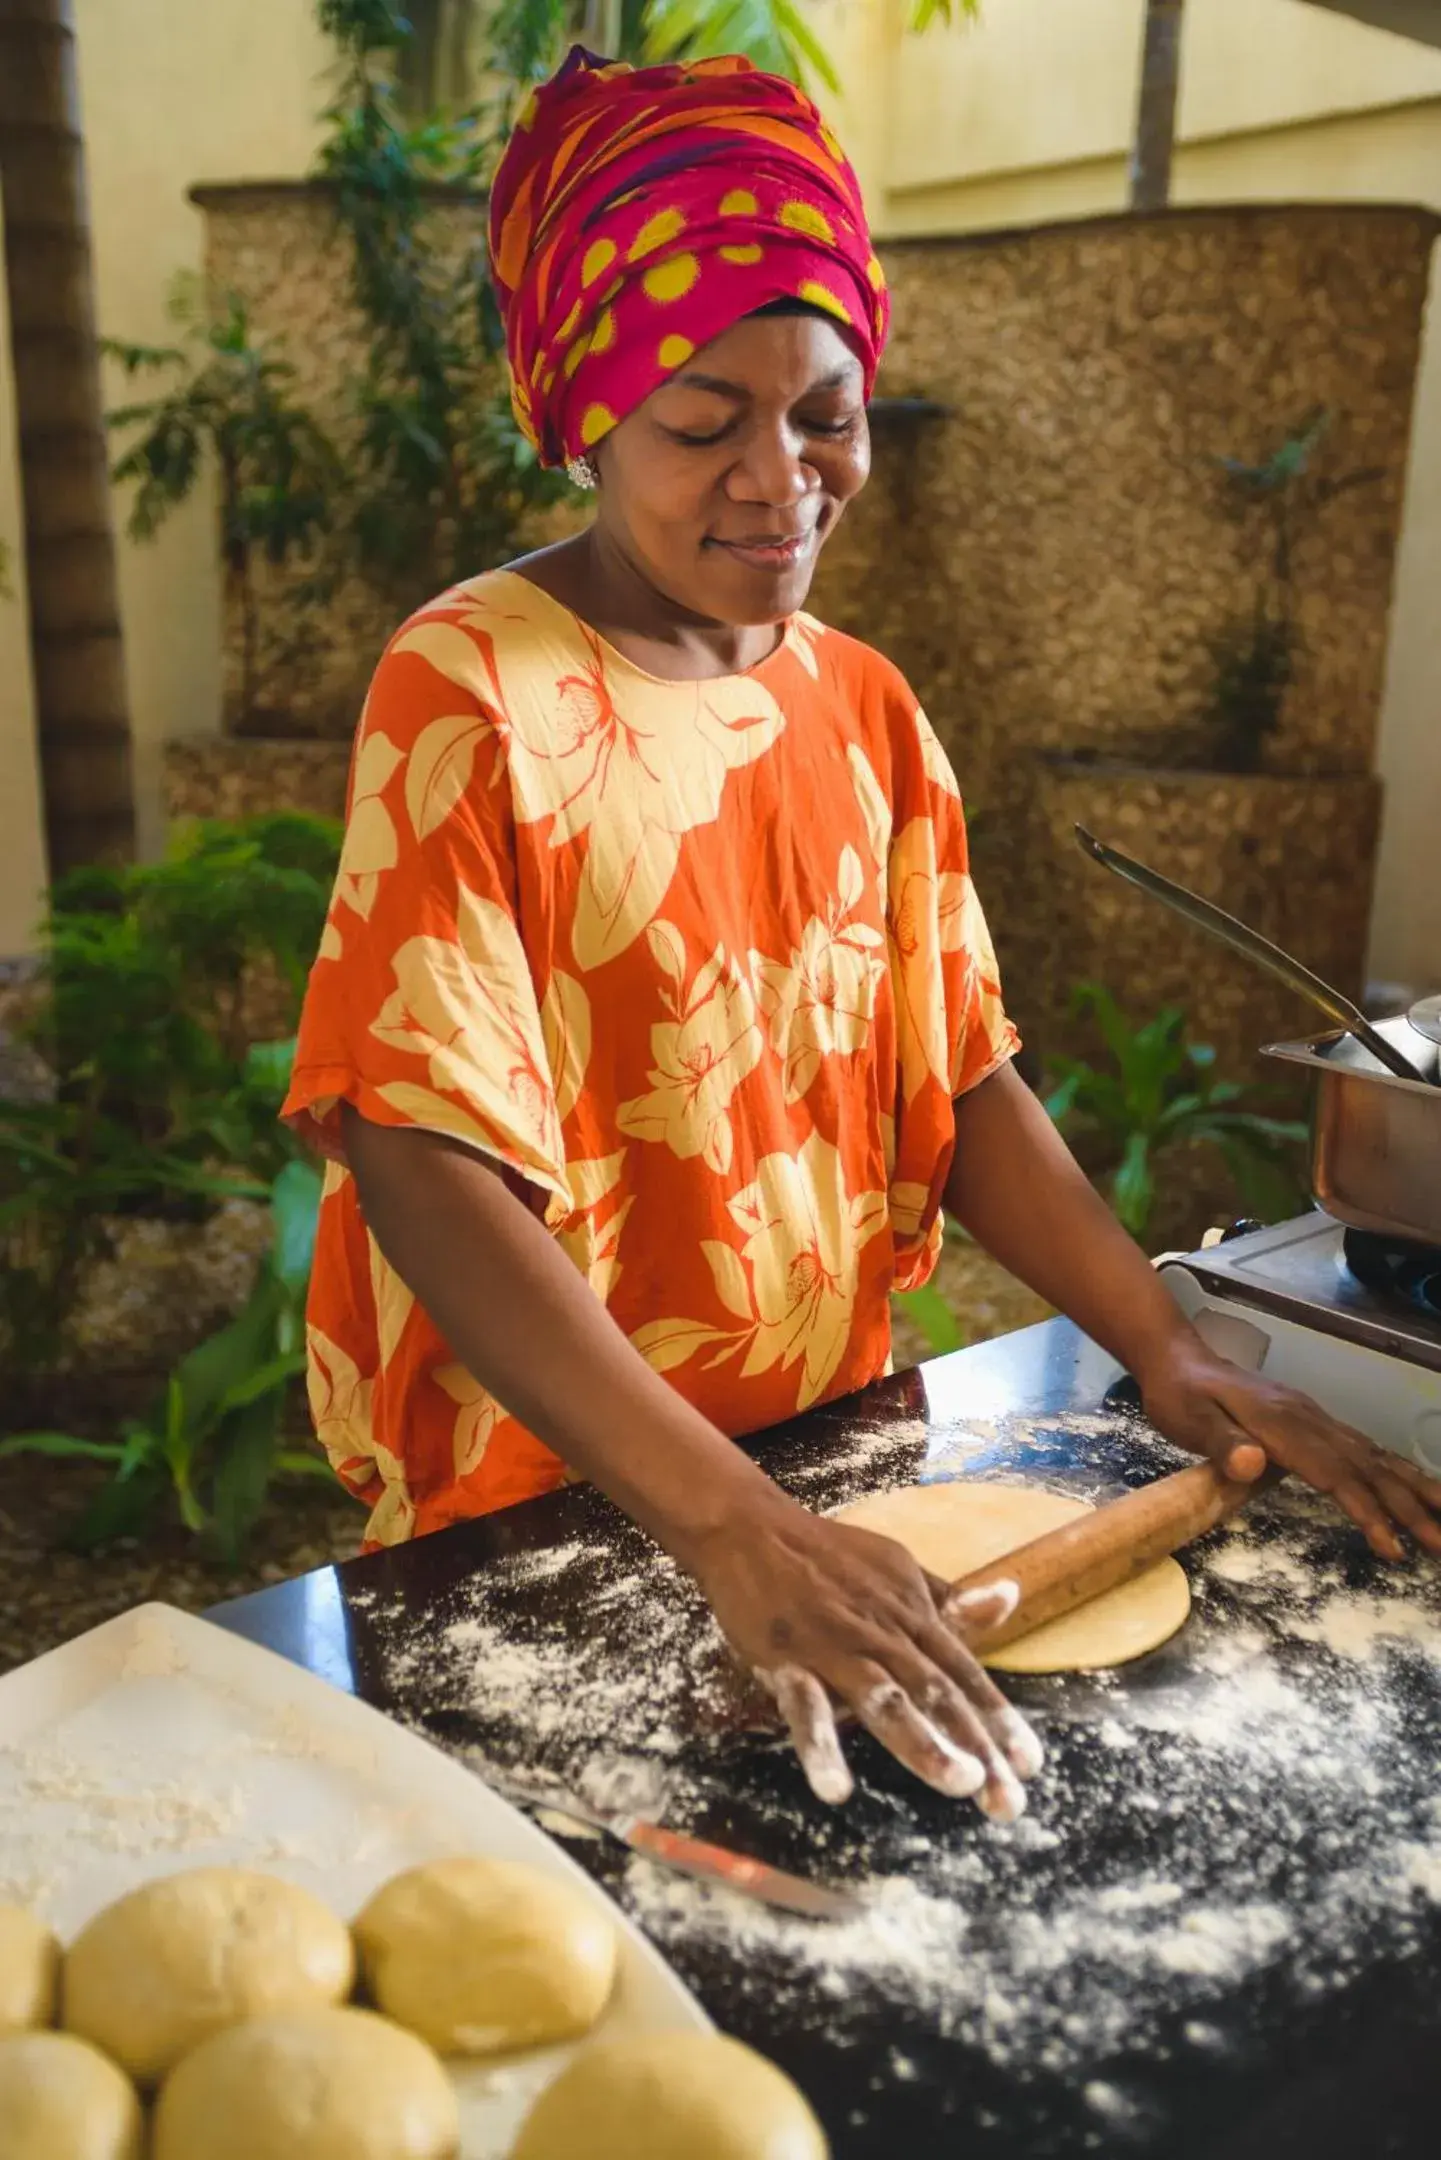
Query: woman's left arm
(1016,1187)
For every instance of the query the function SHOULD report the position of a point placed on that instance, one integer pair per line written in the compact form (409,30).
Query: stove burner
(1395,1269)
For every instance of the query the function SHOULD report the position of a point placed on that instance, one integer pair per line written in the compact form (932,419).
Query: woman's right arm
(819,1610)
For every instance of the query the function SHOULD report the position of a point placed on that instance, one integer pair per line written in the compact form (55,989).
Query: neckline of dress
(614,657)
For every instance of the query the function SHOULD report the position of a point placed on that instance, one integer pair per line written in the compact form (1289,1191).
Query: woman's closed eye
(845,425)
(698,439)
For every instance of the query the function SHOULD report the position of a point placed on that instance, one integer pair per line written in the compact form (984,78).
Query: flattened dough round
(29,1970)
(309,2085)
(179,1959)
(61,2100)
(670,2096)
(483,1955)
(954,1527)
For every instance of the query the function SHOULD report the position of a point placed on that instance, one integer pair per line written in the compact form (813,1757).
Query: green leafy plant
(1255,657)
(442,482)
(162,1105)
(232,405)
(1159,1094)
(928,1311)
(437,481)
(214,1438)
(528,37)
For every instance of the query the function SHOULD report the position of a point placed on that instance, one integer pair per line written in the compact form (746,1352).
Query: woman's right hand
(826,1615)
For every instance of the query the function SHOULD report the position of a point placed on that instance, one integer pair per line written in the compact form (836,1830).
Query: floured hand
(830,1617)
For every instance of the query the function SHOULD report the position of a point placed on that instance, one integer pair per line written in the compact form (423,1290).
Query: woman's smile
(767,552)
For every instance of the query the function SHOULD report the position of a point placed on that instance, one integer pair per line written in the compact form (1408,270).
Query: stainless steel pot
(1375,1139)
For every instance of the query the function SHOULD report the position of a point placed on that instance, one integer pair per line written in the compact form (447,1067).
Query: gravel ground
(47,1595)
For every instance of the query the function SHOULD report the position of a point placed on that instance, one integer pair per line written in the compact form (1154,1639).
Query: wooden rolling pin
(1064,1568)
(1112,1544)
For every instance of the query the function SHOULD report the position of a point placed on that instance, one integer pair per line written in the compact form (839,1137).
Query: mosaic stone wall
(218,776)
(279,248)
(1290,856)
(1051,560)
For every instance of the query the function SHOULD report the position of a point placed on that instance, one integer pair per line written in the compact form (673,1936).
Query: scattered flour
(1239,1560)
(1354,1626)
(1255,1805)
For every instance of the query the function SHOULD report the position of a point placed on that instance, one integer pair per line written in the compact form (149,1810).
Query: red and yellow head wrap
(638,213)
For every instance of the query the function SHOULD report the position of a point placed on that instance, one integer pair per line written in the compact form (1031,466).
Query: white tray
(159,1742)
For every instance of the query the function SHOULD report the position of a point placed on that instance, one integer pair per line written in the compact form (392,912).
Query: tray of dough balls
(244,1917)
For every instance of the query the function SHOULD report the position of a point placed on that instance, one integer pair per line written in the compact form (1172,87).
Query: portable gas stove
(1350,1320)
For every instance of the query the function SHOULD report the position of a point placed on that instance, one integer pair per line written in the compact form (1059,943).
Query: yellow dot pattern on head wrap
(821,296)
(597,420)
(801,217)
(598,258)
(672,279)
(657,232)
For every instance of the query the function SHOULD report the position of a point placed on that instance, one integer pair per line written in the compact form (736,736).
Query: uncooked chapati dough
(61,2100)
(956,1527)
(29,1970)
(177,1960)
(483,1955)
(309,2085)
(670,2096)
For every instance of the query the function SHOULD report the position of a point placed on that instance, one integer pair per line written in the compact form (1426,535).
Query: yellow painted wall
(1021,118)
(173,91)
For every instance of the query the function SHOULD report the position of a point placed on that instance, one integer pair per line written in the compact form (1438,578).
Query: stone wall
(218,776)
(1052,561)
(279,247)
(1290,856)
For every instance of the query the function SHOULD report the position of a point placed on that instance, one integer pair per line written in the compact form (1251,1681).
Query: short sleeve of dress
(952,1026)
(422,1007)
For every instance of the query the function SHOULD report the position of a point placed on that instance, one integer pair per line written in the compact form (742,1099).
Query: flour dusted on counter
(651,1660)
(1263,1814)
(1247,1809)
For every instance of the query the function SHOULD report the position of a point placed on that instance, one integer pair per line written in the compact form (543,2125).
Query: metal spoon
(1207,916)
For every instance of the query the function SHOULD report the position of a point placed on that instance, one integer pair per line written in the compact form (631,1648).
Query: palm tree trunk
(82,719)
(1156,105)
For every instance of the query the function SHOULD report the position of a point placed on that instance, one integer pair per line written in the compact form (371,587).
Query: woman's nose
(772,470)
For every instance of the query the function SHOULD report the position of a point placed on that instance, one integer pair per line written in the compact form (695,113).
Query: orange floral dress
(699,964)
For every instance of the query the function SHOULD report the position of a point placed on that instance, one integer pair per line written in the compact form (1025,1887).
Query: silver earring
(581,472)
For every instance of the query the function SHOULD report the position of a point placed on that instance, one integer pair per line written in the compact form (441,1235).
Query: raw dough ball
(177,1960)
(483,1955)
(29,1970)
(671,2096)
(309,2085)
(952,1528)
(61,2100)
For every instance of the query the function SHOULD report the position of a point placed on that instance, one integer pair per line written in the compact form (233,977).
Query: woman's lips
(771,554)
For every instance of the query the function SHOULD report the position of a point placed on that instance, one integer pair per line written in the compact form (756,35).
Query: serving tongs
(1425,1017)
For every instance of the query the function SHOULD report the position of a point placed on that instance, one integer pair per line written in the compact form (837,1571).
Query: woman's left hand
(1203,1402)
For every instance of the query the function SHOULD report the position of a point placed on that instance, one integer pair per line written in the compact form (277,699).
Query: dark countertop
(1218,1930)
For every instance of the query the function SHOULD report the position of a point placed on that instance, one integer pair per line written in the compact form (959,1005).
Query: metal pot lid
(1426,1018)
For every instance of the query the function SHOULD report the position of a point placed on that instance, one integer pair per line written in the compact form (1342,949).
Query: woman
(656,1016)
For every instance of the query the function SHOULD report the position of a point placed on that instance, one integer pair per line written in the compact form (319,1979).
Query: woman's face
(723,487)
